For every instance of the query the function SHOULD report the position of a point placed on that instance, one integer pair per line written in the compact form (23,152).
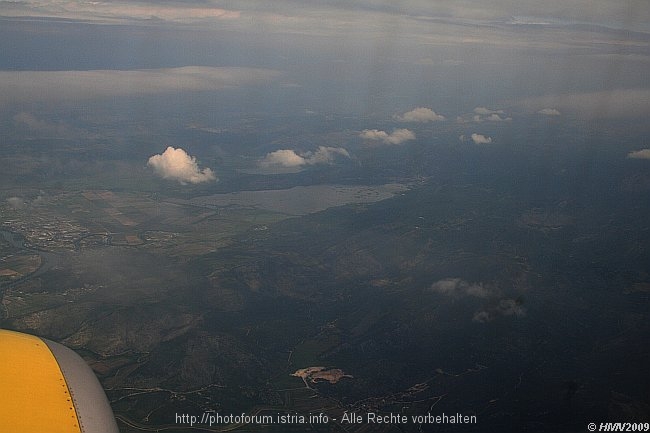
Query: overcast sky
(331,15)
(371,55)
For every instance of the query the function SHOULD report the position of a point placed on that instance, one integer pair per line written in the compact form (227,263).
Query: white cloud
(325,155)
(289,158)
(284,158)
(447,286)
(475,138)
(374,134)
(176,164)
(398,136)
(420,114)
(16,202)
(481,139)
(483,111)
(496,118)
(477,290)
(31,86)
(505,307)
(549,112)
(457,286)
(511,307)
(483,114)
(482,317)
(639,154)
(22,203)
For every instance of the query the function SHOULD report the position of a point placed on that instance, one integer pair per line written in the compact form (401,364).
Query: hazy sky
(582,57)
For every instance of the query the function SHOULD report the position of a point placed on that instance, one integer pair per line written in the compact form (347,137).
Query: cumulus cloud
(30,86)
(482,317)
(511,307)
(484,114)
(605,104)
(549,112)
(373,134)
(458,286)
(481,139)
(639,154)
(325,155)
(398,136)
(290,158)
(484,111)
(505,307)
(447,286)
(420,114)
(284,158)
(176,164)
(496,118)
(16,203)
(495,305)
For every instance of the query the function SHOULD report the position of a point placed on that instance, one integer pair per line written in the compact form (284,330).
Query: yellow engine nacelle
(46,387)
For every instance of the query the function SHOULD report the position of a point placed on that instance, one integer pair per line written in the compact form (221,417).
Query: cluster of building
(45,233)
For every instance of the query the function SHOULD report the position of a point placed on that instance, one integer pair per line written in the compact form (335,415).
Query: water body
(48,259)
(302,200)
